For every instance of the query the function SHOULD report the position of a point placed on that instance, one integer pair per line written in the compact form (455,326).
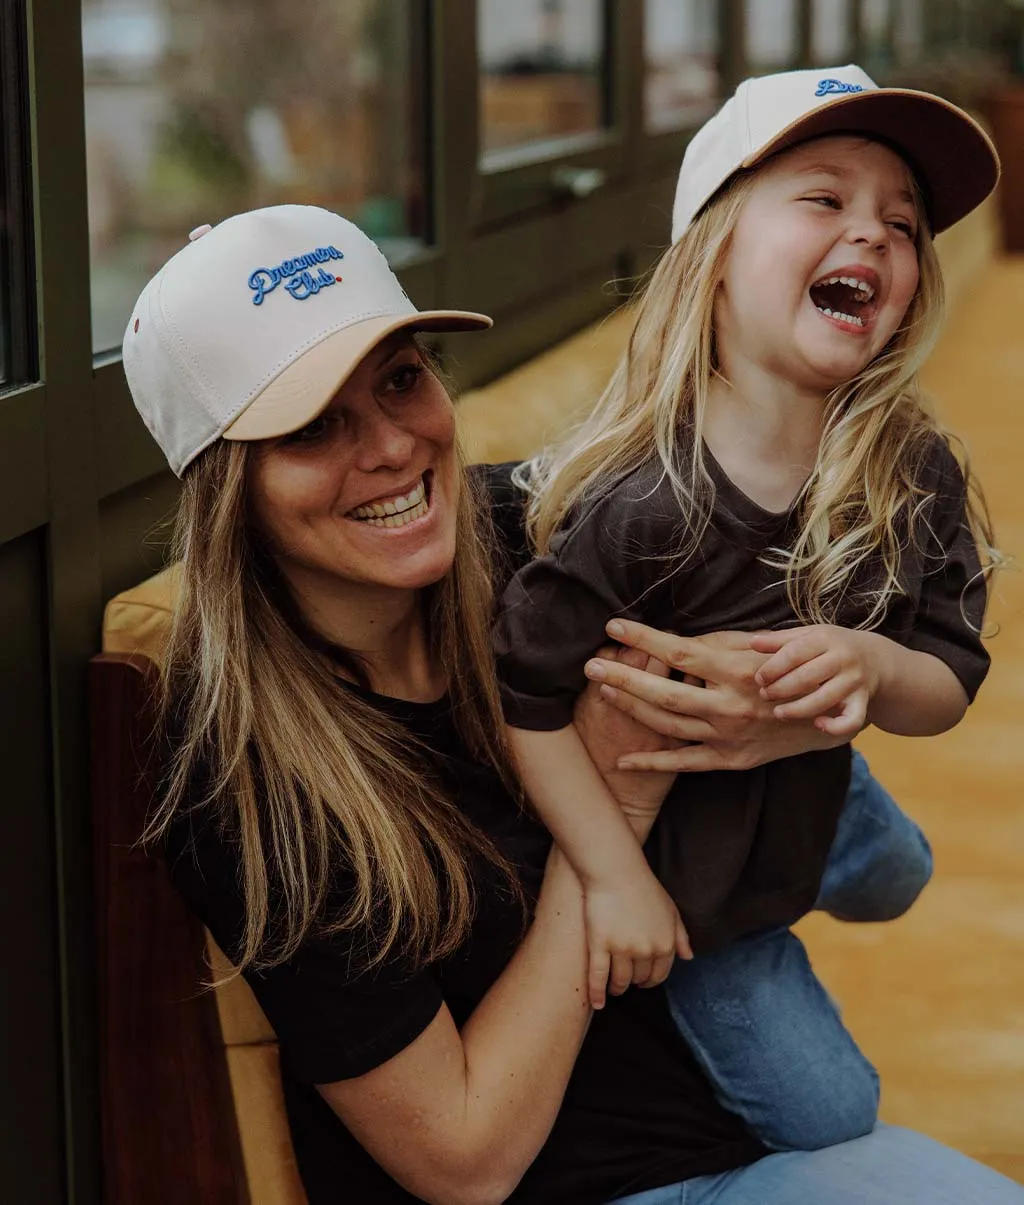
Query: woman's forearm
(456,1118)
(523,1038)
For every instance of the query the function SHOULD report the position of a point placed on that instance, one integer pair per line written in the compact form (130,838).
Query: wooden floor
(937,998)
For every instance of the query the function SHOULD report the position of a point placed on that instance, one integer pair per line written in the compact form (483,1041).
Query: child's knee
(892,887)
(845,1109)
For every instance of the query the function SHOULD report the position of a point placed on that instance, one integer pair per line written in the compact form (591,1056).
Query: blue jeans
(890,1166)
(765,1031)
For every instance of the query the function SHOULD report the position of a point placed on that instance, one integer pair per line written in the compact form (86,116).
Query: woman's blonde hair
(305,775)
(862,497)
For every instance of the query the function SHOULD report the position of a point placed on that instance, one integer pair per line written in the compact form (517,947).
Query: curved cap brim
(296,396)
(948,151)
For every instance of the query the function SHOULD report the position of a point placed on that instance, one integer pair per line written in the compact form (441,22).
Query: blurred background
(517,158)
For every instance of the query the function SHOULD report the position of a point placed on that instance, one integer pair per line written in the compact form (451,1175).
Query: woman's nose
(383,443)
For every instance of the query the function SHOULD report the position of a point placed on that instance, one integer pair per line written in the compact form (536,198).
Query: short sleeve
(334,1019)
(951,611)
(552,616)
(506,503)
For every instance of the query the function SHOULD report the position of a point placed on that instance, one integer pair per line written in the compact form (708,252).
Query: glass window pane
(771,35)
(17,255)
(875,31)
(830,32)
(6,234)
(196,109)
(681,82)
(909,31)
(542,71)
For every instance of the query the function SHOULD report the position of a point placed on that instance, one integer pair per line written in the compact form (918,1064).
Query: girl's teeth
(844,317)
(853,283)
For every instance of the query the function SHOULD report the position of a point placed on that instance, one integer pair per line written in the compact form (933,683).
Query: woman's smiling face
(367,493)
(823,262)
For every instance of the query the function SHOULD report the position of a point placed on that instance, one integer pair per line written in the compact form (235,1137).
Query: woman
(339,810)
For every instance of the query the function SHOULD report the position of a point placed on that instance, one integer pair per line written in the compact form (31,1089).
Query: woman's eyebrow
(389,353)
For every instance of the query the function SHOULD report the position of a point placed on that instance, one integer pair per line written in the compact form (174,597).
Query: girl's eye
(827,200)
(904,228)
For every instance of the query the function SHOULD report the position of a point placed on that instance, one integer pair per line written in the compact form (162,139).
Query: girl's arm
(633,927)
(842,679)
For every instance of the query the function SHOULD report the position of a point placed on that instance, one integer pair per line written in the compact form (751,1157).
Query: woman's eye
(309,433)
(404,378)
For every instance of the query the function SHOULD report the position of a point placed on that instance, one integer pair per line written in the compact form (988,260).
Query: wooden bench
(191,1101)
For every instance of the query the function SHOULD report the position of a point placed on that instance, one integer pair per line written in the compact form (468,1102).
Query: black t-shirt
(738,850)
(638,1112)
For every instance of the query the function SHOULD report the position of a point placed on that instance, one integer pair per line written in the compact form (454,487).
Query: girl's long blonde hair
(863,496)
(303,774)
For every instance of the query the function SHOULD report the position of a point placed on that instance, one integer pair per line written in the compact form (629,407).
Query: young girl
(763,459)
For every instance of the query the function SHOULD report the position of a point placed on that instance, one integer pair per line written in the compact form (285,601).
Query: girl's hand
(821,673)
(609,732)
(634,932)
(730,726)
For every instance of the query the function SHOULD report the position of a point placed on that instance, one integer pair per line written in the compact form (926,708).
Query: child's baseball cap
(950,154)
(250,330)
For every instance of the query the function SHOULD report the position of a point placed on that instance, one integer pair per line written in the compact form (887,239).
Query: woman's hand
(728,725)
(609,732)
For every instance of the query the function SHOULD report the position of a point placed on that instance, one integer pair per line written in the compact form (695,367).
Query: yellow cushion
(139,619)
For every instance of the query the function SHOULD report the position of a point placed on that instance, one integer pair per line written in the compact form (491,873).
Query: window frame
(18,303)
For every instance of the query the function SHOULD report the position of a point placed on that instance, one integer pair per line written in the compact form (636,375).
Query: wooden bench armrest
(170,1135)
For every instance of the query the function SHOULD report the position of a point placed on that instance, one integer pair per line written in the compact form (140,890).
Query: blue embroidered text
(828,87)
(299,280)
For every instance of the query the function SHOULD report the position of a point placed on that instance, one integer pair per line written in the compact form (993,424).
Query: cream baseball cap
(950,154)
(250,330)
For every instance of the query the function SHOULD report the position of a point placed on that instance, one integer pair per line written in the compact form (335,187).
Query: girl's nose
(382,443)
(869,230)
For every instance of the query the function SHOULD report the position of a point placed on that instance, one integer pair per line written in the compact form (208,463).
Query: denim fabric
(765,1031)
(880,860)
(773,1044)
(890,1166)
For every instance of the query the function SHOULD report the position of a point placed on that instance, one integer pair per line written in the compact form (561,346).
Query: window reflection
(196,109)
(875,16)
(5,283)
(908,34)
(771,35)
(681,83)
(830,32)
(542,71)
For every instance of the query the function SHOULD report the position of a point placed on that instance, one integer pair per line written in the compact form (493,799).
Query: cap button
(199,232)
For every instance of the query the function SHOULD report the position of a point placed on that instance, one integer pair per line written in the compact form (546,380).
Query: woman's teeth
(394,512)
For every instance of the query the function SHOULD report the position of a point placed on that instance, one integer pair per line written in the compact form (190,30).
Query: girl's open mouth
(847,296)
(399,510)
